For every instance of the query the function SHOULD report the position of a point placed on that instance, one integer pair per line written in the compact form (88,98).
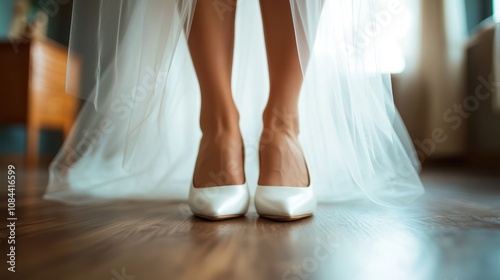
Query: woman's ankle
(220,122)
(281,120)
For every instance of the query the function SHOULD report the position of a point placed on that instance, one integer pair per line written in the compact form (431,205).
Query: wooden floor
(453,232)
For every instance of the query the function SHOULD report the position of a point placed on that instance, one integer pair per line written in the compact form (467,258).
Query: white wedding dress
(138,132)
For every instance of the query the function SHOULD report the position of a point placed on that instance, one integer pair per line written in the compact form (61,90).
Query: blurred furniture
(484,121)
(32,90)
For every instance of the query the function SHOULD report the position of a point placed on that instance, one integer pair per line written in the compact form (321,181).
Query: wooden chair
(33,90)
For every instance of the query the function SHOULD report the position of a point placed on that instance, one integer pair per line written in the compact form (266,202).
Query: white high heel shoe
(219,203)
(283,203)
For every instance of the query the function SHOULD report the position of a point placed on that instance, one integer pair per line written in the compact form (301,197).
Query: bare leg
(220,157)
(281,159)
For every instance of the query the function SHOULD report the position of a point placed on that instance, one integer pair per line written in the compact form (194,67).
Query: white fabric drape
(137,135)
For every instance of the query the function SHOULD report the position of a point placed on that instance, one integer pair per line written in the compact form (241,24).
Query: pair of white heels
(273,202)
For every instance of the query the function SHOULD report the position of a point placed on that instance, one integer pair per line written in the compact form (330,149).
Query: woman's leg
(281,159)
(211,40)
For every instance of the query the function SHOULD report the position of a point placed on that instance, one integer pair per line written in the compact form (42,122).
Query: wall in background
(6,7)
(477,11)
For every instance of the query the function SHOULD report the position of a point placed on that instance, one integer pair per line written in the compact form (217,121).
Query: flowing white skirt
(138,133)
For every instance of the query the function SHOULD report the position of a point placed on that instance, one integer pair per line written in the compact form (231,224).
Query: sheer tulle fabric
(137,135)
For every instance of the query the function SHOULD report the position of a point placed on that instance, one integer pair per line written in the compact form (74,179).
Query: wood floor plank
(453,232)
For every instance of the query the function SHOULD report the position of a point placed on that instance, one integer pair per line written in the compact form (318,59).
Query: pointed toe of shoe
(285,203)
(218,203)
